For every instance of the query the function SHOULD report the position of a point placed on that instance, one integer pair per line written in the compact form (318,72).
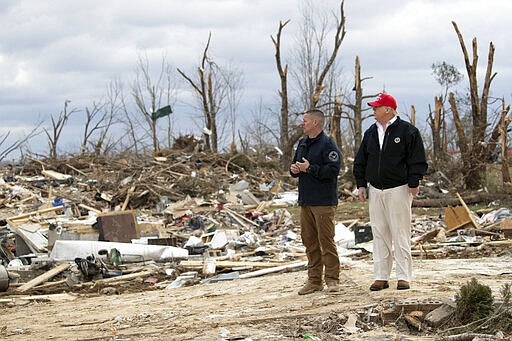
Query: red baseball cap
(384,100)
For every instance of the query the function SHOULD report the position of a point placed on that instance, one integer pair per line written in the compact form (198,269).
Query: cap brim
(374,104)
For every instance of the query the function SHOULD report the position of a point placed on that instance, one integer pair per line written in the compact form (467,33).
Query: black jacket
(401,160)
(319,186)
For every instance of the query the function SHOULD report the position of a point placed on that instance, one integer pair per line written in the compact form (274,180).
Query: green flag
(164,111)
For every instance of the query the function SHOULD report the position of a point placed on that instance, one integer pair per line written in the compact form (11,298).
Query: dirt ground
(260,308)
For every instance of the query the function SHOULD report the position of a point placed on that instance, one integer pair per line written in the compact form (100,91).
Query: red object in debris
(253,215)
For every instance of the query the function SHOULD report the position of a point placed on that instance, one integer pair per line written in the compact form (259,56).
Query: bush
(474,301)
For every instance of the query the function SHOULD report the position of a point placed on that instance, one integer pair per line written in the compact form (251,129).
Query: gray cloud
(55,50)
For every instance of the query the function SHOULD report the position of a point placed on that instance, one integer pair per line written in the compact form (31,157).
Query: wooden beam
(475,224)
(273,269)
(44,277)
(44,210)
(198,264)
(125,277)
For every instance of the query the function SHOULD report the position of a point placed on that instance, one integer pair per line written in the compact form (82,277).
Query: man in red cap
(390,162)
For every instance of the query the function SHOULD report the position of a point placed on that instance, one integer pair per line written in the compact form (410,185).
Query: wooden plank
(41,211)
(470,214)
(89,208)
(52,297)
(55,175)
(127,199)
(234,215)
(125,277)
(76,170)
(273,269)
(227,264)
(455,218)
(44,277)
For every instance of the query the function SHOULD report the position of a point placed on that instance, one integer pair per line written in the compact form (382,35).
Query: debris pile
(167,222)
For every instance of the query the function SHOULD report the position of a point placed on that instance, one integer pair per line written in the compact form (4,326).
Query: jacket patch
(333,156)
(397,140)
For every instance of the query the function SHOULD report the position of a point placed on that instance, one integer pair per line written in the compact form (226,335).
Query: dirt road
(261,308)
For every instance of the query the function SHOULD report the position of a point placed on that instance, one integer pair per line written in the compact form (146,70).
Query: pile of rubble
(166,222)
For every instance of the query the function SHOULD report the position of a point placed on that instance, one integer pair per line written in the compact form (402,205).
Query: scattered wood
(40,211)
(51,297)
(56,175)
(273,269)
(194,264)
(413,320)
(470,214)
(125,277)
(44,277)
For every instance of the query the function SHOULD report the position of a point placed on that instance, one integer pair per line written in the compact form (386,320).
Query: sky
(57,50)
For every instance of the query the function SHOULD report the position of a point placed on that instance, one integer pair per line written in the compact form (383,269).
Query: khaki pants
(390,217)
(317,232)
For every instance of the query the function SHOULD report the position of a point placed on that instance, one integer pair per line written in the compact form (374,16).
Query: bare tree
(153,96)
(473,154)
(100,119)
(314,65)
(211,88)
(7,148)
(58,125)
(286,138)
(234,84)
(356,115)
(503,127)
(447,76)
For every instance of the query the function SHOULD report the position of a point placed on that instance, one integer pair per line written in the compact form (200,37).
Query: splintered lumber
(89,208)
(127,199)
(76,170)
(456,218)
(238,218)
(427,235)
(413,320)
(350,223)
(52,297)
(198,264)
(41,211)
(346,191)
(125,277)
(470,214)
(273,269)
(44,277)
(51,284)
(55,175)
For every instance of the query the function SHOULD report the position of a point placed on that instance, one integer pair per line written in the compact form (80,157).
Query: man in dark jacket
(391,162)
(317,163)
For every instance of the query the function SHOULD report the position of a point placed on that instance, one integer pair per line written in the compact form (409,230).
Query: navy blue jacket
(319,186)
(401,160)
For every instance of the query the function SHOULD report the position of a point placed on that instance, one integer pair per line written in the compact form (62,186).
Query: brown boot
(379,285)
(332,286)
(310,288)
(403,285)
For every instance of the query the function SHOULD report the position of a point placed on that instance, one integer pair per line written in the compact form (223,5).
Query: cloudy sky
(57,50)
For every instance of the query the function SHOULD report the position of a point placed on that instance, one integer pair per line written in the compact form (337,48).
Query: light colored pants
(390,217)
